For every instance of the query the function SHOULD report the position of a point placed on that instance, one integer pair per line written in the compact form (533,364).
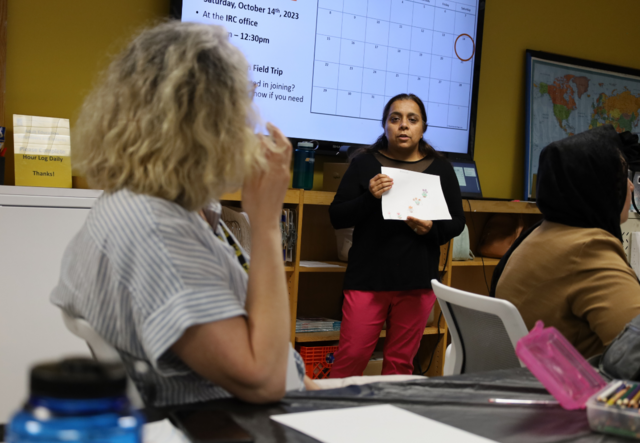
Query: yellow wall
(588,29)
(56,48)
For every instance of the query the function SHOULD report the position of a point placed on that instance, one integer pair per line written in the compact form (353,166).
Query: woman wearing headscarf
(570,270)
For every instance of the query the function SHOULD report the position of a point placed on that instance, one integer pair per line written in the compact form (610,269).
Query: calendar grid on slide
(367,51)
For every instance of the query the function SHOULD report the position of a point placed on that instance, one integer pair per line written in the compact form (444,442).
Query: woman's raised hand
(263,192)
(380,184)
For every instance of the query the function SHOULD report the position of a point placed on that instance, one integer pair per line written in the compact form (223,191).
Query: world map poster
(565,99)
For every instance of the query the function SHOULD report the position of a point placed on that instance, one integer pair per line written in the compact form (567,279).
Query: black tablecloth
(460,401)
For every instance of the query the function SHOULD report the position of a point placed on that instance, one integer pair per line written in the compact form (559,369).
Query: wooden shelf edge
(307,337)
(513,207)
(342,268)
(478,261)
(318,197)
(292,196)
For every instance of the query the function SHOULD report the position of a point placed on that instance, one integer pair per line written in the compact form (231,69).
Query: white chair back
(101,350)
(484,331)
(104,352)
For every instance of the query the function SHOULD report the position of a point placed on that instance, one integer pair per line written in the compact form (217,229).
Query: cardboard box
(332,175)
(374,367)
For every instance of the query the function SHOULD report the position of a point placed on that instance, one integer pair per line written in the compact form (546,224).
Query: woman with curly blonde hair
(167,131)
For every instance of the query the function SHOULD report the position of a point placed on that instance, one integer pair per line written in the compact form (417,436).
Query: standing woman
(391,263)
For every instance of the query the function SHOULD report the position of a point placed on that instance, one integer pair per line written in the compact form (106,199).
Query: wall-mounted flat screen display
(324,69)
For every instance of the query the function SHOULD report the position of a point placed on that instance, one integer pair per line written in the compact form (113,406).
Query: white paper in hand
(414,194)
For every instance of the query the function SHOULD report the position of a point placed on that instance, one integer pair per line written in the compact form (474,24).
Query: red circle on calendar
(466,49)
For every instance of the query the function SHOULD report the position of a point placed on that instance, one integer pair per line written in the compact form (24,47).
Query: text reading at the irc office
(262,32)
(239,20)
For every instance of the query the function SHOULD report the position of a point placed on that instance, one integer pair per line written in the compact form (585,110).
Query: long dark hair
(382,143)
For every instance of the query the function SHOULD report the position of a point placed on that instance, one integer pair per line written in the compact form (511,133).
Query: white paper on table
(416,194)
(373,424)
(162,432)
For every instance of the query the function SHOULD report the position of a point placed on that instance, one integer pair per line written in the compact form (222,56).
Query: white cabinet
(36,224)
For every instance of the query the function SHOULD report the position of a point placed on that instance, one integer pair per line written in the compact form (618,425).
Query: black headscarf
(582,182)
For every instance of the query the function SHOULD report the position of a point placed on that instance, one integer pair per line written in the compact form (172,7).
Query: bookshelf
(317,291)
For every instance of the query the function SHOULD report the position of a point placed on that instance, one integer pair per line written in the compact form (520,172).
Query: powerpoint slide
(324,69)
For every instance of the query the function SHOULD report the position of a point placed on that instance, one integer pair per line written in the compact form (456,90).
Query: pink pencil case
(559,366)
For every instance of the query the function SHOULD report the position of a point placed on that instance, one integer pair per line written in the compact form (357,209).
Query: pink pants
(363,314)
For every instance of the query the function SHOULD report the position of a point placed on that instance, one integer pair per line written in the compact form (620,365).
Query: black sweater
(386,254)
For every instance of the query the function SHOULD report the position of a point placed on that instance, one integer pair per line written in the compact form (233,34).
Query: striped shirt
(141,271)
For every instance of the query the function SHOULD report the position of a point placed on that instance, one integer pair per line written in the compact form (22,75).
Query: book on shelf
(317,324)
(289,231)
(325,329)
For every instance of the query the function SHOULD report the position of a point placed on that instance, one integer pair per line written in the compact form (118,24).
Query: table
(460,401)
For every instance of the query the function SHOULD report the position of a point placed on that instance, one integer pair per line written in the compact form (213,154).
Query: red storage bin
(317,360)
